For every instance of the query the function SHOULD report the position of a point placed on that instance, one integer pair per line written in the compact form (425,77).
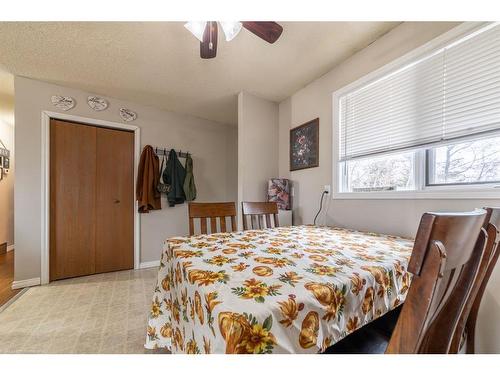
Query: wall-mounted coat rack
(165,151)
(4,160)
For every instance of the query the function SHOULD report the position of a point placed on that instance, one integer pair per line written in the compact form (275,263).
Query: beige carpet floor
(105,313)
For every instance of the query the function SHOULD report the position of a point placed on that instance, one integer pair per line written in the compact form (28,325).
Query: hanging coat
(148,176)
(174,175)
(189,186)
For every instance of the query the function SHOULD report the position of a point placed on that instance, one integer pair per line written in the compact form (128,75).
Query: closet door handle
(116,201)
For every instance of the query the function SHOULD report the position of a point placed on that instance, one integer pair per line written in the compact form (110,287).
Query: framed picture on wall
(304,145)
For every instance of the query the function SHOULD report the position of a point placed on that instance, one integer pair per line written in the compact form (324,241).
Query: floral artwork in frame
(304,146)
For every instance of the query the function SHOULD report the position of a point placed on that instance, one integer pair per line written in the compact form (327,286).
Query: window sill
(429,193)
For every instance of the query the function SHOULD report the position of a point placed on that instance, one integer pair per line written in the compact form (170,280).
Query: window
(471,162)
(382,173)
(429,125)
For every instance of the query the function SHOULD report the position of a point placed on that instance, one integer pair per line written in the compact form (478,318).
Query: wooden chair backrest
(468,320)
(445,259)
(256,211)
(212,211)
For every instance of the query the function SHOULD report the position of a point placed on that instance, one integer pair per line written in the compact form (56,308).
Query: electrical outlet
(327,189)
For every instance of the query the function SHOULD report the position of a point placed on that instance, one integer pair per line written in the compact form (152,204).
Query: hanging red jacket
(148,176)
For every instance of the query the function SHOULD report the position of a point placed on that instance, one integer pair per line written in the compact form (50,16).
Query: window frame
(344,181)
(485,190)
(429,166)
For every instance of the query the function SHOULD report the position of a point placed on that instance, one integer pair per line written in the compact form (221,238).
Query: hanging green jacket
(174,175)
(189,186)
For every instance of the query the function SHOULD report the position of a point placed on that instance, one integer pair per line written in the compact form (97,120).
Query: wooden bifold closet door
(91,200)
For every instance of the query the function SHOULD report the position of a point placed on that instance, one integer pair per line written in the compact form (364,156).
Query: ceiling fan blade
(208,48)
(267,30)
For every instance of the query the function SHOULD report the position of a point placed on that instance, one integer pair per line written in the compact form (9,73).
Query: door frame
(45,186)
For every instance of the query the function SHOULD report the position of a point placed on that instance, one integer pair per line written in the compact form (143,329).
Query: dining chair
(257,211)
(212,211)
(444,263)
(466,327)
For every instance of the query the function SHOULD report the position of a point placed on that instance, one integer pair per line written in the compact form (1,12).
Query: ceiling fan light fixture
(231,29)
(197,28)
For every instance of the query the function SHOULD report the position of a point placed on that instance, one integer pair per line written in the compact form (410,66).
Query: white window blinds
(452,93)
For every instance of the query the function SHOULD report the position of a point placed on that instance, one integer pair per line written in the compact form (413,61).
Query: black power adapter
(320,205)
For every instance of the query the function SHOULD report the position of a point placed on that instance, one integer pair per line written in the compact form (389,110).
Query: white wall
(7,136)
(212,145)
(386,216)
(284,137)
(232,164)
(257,147)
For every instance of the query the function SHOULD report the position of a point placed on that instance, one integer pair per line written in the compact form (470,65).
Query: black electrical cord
(320,205)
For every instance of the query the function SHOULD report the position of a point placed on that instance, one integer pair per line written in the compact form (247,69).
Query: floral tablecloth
(283,290)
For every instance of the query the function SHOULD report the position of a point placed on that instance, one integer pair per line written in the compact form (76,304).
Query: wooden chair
(444,263)
(212,211)
(466,328)
(257,211)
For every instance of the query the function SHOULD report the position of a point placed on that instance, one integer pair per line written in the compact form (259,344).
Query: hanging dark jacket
(174,175)
(189,186)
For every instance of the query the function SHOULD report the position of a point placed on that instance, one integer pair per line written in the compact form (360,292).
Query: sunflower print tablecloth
(283,290)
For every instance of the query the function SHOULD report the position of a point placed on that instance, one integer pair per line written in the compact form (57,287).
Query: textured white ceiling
(6,83)
(158,63)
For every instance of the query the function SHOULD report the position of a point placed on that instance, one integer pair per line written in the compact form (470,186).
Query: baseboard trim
(19,284)
(10,247)
(13,299)
(154,263)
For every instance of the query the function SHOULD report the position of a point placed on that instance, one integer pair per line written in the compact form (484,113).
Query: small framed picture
(304,146)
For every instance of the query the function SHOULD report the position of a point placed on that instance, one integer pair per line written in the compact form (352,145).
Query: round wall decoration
(63,102)
(97,103)
(127,115)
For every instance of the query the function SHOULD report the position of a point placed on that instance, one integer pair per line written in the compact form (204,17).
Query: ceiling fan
(207,32)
